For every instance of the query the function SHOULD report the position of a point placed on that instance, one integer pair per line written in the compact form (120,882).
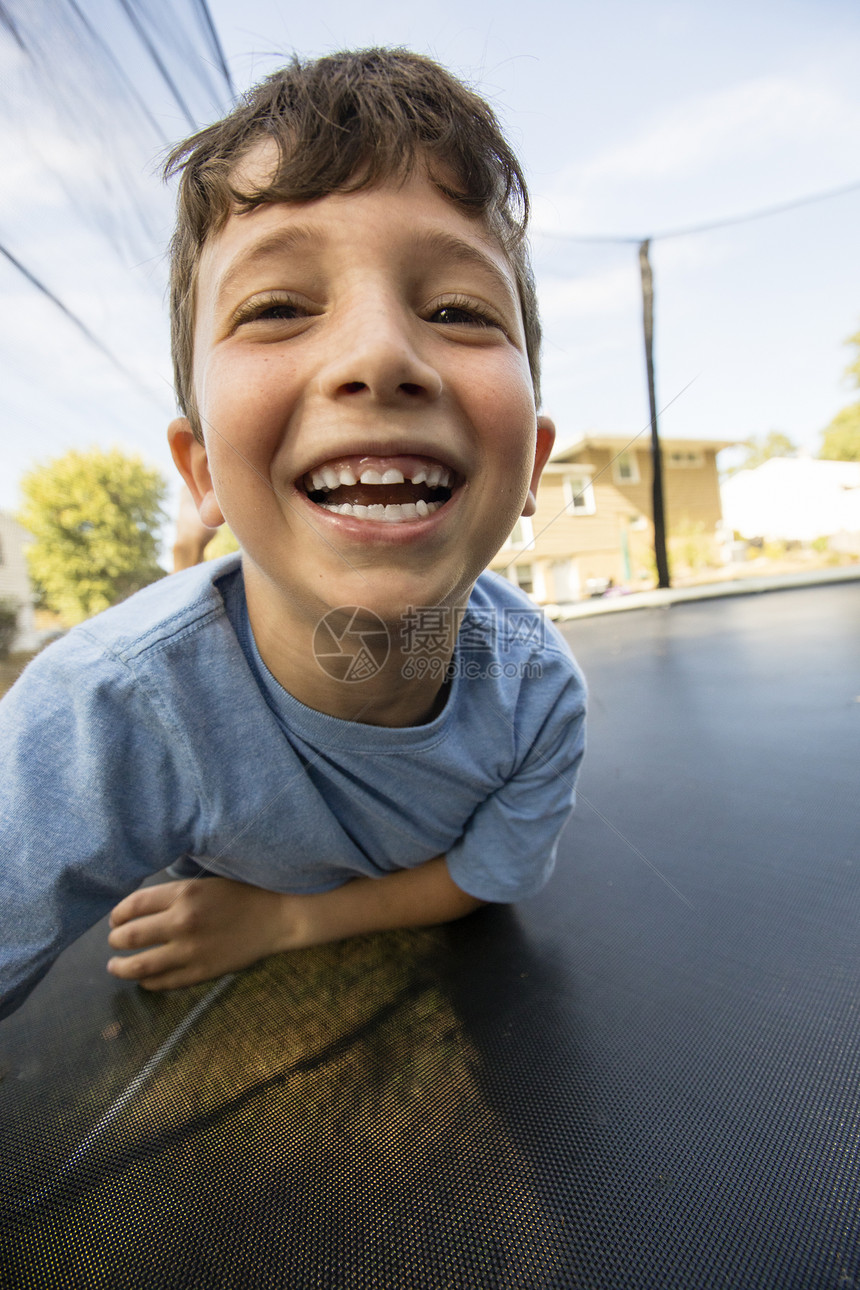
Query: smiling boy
(356,347)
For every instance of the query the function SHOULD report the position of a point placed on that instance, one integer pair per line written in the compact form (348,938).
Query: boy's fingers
(152,972)
(139,933)
(137,967)
(148,900)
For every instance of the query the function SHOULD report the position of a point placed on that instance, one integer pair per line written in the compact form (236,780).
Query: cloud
(772,138)
(593,295)
(742,120)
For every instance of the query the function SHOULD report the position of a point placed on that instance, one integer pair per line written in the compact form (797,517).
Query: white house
(795,499)
(15,580)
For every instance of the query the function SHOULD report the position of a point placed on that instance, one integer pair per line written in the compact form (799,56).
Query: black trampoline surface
(647,1076)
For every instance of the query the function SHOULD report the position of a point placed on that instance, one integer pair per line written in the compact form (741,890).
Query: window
(685,458)
(578,495)
(522,535)
(524,575)
(625,468)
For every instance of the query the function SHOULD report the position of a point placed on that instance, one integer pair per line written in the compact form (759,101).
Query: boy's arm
(193,931)
(93,799)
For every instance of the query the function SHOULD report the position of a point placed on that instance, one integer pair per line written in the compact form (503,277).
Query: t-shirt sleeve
(508,849)
(93,799)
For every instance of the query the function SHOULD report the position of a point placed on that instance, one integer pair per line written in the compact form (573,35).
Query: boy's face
(372,331)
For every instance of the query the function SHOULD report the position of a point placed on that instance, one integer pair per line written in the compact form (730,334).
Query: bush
(693,547)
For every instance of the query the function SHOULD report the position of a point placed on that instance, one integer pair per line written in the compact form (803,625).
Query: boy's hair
(342,123)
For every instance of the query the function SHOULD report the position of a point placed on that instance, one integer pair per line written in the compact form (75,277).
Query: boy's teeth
(327,478)
(391,514)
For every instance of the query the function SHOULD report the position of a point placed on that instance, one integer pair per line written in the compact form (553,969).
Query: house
(15,579)
(594,524)
(796,499)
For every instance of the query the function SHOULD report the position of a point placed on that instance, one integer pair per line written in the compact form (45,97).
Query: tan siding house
(594,521)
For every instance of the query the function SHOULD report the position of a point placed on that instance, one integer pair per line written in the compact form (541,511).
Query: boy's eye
(280,311)
(460,315)
(276,310)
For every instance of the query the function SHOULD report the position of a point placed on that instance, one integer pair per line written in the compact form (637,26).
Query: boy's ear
(543,448)
(191,460)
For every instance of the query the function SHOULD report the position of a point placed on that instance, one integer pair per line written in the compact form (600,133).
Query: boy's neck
(394,688)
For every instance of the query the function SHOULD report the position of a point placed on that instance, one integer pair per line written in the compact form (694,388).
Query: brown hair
(342,123)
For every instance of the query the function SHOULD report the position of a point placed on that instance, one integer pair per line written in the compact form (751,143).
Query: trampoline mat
(647,1076)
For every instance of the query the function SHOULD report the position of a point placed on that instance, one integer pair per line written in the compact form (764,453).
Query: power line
(767,211)
(76,321)
(648,328)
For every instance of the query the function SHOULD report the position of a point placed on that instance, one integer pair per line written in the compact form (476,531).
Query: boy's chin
(391,598)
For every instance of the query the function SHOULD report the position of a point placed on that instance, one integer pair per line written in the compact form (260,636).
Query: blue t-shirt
(154,732)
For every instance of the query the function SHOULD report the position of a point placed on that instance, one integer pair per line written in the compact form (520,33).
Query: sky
(633,120)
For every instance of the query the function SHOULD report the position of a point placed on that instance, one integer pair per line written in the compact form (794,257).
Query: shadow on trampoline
(646,1076)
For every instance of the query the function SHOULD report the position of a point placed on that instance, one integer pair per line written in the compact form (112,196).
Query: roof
(618,442)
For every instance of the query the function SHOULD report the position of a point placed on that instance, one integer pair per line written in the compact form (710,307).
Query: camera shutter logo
(351,643)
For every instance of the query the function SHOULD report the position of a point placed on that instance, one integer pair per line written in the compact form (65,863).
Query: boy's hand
(195,930)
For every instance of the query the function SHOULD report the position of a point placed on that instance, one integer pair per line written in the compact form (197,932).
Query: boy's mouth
(395,490)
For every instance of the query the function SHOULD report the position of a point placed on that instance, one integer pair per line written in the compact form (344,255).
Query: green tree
(95,517)
(222,544)
(853,369)
(761,447)
(840,441)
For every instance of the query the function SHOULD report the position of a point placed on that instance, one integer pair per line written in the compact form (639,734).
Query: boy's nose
(377,355)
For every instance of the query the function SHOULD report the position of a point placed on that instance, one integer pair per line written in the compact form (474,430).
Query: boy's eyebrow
(432,242)
(437,241)
(281,241)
